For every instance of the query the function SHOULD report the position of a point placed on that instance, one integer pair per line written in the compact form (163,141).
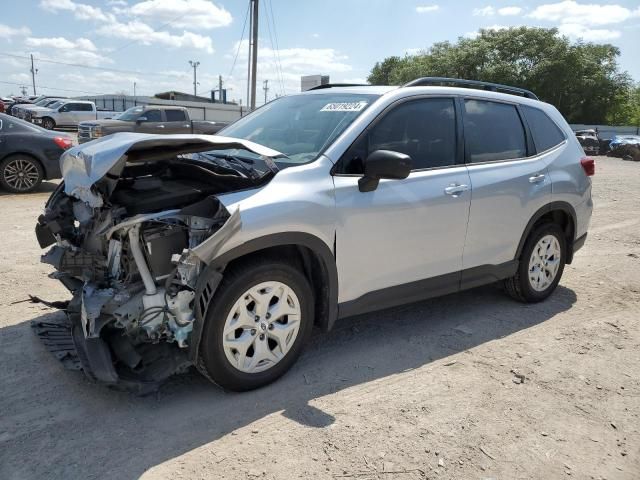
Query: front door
(150,122)
(407,230)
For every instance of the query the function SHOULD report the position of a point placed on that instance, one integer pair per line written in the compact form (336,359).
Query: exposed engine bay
(122,245)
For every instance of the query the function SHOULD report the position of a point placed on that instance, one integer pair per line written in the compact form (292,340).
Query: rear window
(175,115)
(493,131)
(546,134)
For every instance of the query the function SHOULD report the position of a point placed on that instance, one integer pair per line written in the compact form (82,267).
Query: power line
(89,67)
(244,24)
(136,40)
(273,47)
(56,88)
(275,34)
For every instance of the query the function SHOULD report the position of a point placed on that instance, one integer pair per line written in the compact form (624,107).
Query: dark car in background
(28,154)
(589,140)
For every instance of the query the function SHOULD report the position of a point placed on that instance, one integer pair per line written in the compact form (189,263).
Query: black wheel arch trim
(215,271)
(565,207)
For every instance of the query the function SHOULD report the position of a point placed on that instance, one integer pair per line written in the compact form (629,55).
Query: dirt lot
(422,391)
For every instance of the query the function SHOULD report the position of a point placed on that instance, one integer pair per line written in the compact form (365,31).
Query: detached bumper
(65,339)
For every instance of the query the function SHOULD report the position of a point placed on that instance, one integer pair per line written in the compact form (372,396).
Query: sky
(94,47)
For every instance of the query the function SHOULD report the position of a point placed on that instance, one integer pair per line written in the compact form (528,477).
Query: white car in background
(69,114)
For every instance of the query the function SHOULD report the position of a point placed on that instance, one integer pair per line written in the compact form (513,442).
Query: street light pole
(194,64)
(33,76)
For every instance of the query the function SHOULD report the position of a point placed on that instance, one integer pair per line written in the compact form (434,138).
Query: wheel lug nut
(262,336)
(267,316)
(271,326)
(257,318)
(253,331)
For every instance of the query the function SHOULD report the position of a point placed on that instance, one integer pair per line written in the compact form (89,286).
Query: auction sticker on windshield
(344,107)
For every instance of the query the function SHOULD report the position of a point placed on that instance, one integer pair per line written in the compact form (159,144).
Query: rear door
(509,184)
(151,121)
(406,230)
(177,121)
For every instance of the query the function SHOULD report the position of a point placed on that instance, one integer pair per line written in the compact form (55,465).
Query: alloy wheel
(261,327)
(544,263)
(21,174)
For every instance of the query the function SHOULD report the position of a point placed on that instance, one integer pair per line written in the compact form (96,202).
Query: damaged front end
(123,229)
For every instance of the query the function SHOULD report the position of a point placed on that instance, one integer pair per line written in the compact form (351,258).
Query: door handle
(456,189)
(537,178)
(160,126)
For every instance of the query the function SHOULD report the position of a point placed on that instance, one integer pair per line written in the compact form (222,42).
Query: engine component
(161,242)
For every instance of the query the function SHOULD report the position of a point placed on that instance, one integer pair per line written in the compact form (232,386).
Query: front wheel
(256,325)
(48,123)
(540,266)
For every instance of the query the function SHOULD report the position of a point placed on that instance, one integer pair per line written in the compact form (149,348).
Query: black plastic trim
(312,242)
(549,207)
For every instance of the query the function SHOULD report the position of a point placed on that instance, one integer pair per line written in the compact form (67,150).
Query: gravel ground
(422,391)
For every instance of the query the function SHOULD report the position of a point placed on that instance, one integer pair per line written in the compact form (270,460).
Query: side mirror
(384,164)
(141,119)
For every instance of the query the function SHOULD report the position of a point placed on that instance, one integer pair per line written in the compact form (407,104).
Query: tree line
(582,79)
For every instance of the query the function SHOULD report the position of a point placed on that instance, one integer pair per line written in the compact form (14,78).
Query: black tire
(213,362)
(519,286)
(32,171)
(48,123)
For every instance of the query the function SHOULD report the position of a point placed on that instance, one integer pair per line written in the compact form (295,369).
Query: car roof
(399,92)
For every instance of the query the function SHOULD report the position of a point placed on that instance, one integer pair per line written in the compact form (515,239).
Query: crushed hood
(84,165)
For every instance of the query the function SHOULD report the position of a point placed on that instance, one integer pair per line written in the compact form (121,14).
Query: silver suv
(224,251)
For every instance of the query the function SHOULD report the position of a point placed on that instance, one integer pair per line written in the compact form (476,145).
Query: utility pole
(134,89)
(220,88)
(195,80)
(253,56)
(33,76)
(265,87)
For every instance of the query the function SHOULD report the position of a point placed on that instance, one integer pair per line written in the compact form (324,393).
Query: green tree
(582,80)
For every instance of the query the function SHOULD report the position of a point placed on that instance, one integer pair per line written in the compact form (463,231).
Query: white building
(309,81)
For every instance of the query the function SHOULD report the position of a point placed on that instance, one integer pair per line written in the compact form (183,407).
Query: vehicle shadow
(94,432)
(44,187)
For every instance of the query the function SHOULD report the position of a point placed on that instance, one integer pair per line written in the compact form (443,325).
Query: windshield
(55,104)
(300,126)
(129,115)
(42,102)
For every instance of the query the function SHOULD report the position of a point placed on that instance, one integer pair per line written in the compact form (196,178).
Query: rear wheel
(256,325)
(541,265)
(20,174)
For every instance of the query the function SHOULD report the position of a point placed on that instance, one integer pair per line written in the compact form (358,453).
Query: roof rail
(332,85)
(494,87)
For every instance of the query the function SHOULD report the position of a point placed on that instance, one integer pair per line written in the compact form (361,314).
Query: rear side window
(175,115)
(493,131)
(544,131)
(424,129)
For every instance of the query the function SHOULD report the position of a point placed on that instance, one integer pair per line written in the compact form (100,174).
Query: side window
(546,134)
(175,115)
(424,129)
(493,131)
(153,115)
(85,107)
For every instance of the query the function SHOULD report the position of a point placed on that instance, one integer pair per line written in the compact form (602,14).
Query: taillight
(63,142)
(588,165)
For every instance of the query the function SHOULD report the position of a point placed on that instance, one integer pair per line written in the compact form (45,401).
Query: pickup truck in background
(69,114)
(148,119)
